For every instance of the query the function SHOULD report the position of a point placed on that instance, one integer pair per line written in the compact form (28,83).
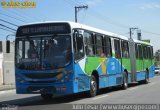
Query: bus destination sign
(43,29)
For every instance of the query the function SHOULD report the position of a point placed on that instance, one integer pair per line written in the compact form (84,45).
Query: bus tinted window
(149,52)
(145,53)
(107,50)
(152,53)
(79,48)
(125,49)
(88,40)
(136,50)
(117,48)
(140,51)
(99,45)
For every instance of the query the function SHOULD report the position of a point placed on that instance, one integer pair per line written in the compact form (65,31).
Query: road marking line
(98,97)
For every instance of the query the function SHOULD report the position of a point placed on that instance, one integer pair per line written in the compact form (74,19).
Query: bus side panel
(109,70)
(126,62)
(81,79)
(114,71)
(152,71)
(140,75)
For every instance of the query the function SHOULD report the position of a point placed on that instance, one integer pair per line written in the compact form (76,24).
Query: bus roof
(89,28)
(142,42)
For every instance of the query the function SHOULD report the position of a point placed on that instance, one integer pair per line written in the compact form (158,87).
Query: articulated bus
(62,58)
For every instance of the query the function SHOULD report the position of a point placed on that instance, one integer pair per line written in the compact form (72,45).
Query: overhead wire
(150,32)
(110,21)
(13,17)
(33,18)
(17,15)
(8,22)
(7,27)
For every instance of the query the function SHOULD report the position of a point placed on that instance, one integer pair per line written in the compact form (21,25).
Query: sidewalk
(6,87)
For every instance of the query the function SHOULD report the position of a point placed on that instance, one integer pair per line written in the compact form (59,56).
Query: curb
(6,91)
(7,87)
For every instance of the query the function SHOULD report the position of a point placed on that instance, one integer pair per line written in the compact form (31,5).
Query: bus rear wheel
(93,86)
(47,96)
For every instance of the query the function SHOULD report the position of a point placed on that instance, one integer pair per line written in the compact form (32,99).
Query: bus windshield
(36,53)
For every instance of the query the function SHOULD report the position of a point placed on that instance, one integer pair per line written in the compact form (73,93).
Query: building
(7,70)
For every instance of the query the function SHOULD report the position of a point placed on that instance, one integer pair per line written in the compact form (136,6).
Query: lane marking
(98,97)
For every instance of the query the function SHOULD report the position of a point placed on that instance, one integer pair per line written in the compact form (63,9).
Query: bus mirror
(7,46)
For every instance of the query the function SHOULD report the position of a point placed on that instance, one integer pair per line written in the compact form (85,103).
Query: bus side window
(125,49)
(107,50)
(149,53)
(152,57)
(99,51)
(117,48)
(78,45)
(88,40)
(145,52)
(140,51)
(137,51)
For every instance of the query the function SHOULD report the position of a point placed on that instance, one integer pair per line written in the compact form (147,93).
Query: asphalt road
(135,94)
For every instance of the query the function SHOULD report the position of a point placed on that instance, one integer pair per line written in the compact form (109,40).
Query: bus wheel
(125,81)
(93,86)
(47,96)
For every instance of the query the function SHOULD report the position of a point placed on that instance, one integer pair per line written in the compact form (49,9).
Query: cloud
(92,2)
(150,6)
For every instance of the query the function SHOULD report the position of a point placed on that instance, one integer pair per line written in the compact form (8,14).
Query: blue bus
(61,58)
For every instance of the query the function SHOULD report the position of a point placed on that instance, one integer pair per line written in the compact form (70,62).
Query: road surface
(135,94)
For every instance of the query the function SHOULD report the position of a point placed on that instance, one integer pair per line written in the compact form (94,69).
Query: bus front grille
(41,75)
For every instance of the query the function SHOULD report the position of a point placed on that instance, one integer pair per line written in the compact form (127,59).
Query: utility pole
(130,31)
(77,8)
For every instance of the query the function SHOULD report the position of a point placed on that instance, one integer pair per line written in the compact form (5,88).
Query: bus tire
(47,96)
(93,86)
(125,81)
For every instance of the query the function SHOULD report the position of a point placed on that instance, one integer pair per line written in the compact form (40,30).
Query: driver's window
(78,45)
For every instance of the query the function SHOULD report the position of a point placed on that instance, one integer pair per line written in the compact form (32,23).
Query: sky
(116,16)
